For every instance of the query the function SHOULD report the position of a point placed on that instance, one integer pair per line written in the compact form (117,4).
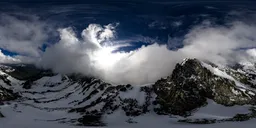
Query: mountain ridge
(89,101)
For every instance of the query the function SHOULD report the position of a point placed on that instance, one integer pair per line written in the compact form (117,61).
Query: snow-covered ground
(217,111)
(22,116)
(28,117)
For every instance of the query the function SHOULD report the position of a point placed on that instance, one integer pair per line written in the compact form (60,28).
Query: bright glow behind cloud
(105,59)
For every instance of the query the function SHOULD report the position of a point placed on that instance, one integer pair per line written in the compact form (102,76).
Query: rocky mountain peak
(191,84)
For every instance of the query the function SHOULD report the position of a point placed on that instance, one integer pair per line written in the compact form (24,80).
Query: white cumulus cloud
(23,35)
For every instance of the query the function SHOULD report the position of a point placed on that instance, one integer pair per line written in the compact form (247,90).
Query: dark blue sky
(154,20)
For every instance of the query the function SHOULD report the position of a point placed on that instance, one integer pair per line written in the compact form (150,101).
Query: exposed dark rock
(131,107)
(1,115)
(27,71)
(199,121)
(5,80)
(190,85)
(91,120)
(27,84)
(7,95)
(131,121)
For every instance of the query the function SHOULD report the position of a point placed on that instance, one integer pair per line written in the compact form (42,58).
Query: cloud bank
(219,44)
(92,52)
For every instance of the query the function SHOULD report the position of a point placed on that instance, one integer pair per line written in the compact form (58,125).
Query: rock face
(27,73)
(7,95)
(1,115)
(108,99)
(191,84)
(188,88)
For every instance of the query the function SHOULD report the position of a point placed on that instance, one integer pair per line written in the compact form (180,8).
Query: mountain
(196,92)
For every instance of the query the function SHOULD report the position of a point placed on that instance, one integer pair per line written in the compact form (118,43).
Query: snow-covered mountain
(196,92)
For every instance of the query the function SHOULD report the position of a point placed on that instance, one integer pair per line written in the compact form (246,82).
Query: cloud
(227,44)
(248,59)
(144,65)
(68,55)
(8,59)
(252,53)
(91,55)
(26,59)
(220,44)
(96,34)
(177,23)
(71,55)
(23,34)
(91,52)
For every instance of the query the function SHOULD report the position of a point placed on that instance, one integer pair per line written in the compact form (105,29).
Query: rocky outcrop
(27,73)
(191,84)
(1,115)
(7,95)
(3,77)
(110,99)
